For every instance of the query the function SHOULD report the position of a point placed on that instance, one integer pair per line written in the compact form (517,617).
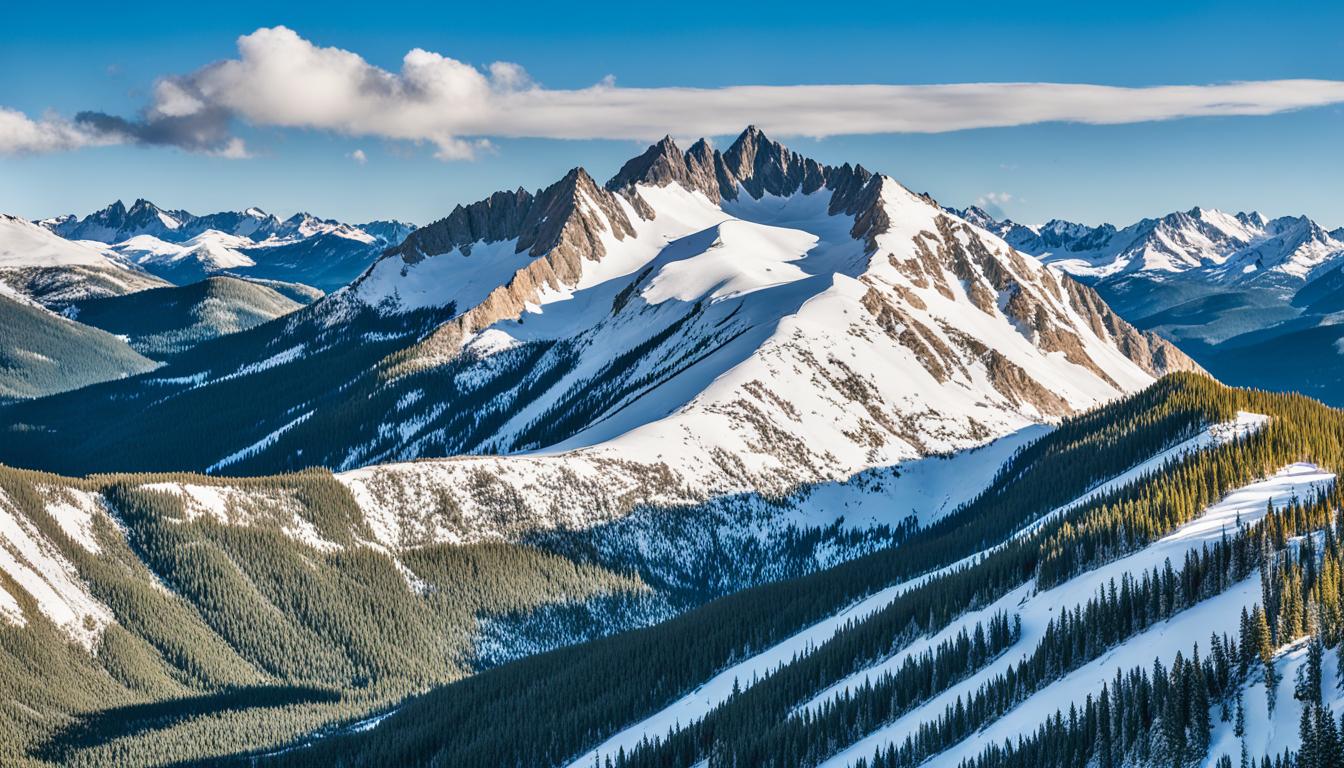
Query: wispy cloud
(359,157)
(280,79)
(993,203)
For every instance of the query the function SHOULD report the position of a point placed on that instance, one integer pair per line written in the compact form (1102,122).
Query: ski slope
(1164,640)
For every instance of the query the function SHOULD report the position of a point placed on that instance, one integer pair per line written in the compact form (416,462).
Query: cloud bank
(280,79)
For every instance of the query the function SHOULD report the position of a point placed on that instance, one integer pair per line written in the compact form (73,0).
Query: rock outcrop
(560,227)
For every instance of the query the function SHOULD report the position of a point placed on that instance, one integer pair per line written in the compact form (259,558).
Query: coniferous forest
(560,703)
(228,635)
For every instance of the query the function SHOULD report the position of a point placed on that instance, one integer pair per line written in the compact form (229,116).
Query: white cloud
(232,149)
(358,156)
(994,198)
(21,135)
(281,79)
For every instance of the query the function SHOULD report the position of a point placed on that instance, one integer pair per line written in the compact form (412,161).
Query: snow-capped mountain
(39,266)
(116,222)
(708,322)
(182,247)
(1202,243)
(807,321)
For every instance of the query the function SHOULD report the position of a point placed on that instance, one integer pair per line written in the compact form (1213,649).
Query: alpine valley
(734,459)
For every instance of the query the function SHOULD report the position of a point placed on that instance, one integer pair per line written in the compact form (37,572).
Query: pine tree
(1239,730)
(1265,651)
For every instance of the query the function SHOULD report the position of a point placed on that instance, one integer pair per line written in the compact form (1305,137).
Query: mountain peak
(765,167)
(577,177)
(659,165)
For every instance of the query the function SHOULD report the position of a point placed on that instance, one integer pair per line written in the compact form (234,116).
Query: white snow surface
(74,510)
(212,249)
(442,279)
(48,576)
(24,244)
(717,689)
(1268,734)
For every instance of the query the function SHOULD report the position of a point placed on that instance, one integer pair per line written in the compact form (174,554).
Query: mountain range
(746,303)
(182,247)
(736,458)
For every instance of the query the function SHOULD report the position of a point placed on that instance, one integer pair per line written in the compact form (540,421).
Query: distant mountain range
(182,247)
(1255,300)
(1202,243)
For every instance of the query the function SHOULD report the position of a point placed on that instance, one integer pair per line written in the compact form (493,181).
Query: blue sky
(64,59)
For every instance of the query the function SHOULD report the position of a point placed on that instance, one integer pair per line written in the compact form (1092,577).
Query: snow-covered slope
(40,266)
(1218,615)
(724,341)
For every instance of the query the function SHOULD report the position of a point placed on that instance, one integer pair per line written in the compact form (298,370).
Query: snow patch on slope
(75,510)
(52,581)
(258,446)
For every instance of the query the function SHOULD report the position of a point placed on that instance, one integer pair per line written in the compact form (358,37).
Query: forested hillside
(166,320)
(161,618)
(134,631)
(548,709)
(42,353)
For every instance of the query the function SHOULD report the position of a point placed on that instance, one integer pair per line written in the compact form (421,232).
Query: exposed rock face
(498,217)
(663,164)
(753,163)
(1151,352)
(960,263)
(540,222)
(764,167)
